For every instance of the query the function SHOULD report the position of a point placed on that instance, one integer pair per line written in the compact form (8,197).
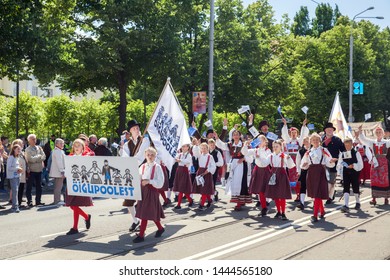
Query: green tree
(60,114)
(301,24)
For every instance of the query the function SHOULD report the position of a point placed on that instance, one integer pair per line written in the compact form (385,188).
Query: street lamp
(350,116)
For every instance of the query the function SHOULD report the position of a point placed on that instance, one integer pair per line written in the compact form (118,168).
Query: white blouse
(202,159)
(275,160)
(304,132)
(220,158)
(256,154)
(314,156)
(145,170)
(185,159)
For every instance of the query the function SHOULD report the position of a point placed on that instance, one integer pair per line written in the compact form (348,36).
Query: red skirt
(365,172)
(316,182)
(380,174)
(208,187)
(282,188)
(259,180)
(75,200)
(182,182)
(293,173)
(166,178)
(149,208)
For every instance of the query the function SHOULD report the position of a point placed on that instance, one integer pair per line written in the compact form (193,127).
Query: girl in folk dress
(314,161)
(261,173)
(182,182)
(237,182)
(278,185)
(366,155)
(73,201)
(206,170)
(149,208)
(380,186)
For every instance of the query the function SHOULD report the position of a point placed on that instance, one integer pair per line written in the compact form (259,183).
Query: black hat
(209,131)
(263,123)
(131,124)
(329,125)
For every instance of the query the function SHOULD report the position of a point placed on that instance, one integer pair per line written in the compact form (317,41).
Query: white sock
(346,198)
(132,213)
(357,197)
(169,193)
(192,195)
(302,196)
(268,199)
(331,190)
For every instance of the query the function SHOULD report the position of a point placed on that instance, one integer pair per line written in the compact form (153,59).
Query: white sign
(305,109)
(254,131)
(208,123)
(99,176)
(272,136)
(241,111)
(367,116)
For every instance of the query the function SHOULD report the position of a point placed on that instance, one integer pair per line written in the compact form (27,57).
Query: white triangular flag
(338,120)
(305,109)
(208,123)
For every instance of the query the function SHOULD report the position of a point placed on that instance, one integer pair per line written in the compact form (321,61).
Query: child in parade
(278,186)
(182,183)
(218,158)
(149,208)
(302,173)
(203,183)
(261,172)
(315,162)
(351,163)
(73,201)
(366,155)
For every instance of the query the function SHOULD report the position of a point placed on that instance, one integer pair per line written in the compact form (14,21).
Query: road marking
(59,233)
(247,241)
(14,243)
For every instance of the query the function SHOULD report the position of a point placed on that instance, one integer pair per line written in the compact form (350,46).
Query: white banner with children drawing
(110,177)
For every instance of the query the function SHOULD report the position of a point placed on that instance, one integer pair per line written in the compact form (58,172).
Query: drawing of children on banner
(84,174)
(128,177)
(117,177)
(75,173)
(95,171)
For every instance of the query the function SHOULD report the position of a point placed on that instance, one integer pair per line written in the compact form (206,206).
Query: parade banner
(110,177)
(337,118)
(199,102)
(167,127)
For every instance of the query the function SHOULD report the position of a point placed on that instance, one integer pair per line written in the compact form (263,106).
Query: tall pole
(350,116)
(211,63)
(17,106)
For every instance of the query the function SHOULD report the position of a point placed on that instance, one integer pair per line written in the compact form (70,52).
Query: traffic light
(358,88)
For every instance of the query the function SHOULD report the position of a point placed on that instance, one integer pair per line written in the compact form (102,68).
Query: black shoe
(72,231)
(2,207)
(284,218)
(322,216)
(88,222)
(216,197)
(267,203)
(176,198)
(190,204)
(313,219)
(138,239)
(166,203)
(373,202)
(159,232)
(177,207)
(344,209)
(258,204)
(357,206)
(278,215)
(134,226)
(329,201)
(301,206)
(297,199)
(39,204)
(209,203)
(264,212)
(201,208)
(29,204)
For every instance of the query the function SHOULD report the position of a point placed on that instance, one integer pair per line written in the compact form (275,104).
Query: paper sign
(310,126)
(246,107)
(292,147)
(305,109)
(256,142)
(254,131)
(272,136)
(243,124)
(200,180)
(347,155)
(191,130)
(208,123)
(367,116)
(241,111)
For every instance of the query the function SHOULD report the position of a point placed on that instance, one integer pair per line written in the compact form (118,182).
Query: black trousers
(34,179)
(350,177)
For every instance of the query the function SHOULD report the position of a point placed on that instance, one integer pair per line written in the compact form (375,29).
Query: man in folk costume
(293,144)
(134,147)
(380,186)
(351,163)
(335,146)
(238,181)
(263,129)
(149,208)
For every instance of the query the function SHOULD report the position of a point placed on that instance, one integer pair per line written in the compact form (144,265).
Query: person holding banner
(261,172)
(73,201)
(380,186)
(292,144)
(203,183)
(134,147)
(315,162)
(278,187)
(149,208)
(237,182)
(182,182)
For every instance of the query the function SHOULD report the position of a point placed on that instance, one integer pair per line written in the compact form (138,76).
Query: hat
(294,128)
(209,131)
(329,125)
(131,124)
(83,137)
(263,123)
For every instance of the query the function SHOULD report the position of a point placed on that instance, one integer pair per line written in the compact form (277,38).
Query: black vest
(302,151)
(351,160)
(215,155)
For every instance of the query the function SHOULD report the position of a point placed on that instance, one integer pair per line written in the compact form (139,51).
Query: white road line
(247,241)
(59,233)
(14,243)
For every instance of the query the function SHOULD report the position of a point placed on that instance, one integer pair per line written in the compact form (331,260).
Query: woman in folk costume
(380,186)
(366,155)
(73,201)
(302,173)
(237,182)
(149,208)
(182,183)
(206,170)
(293,143)
(315,162)
(261,172)
(278,186)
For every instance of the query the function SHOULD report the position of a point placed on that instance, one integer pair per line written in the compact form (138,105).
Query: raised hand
(304,122)
(284,121)
(225,122)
